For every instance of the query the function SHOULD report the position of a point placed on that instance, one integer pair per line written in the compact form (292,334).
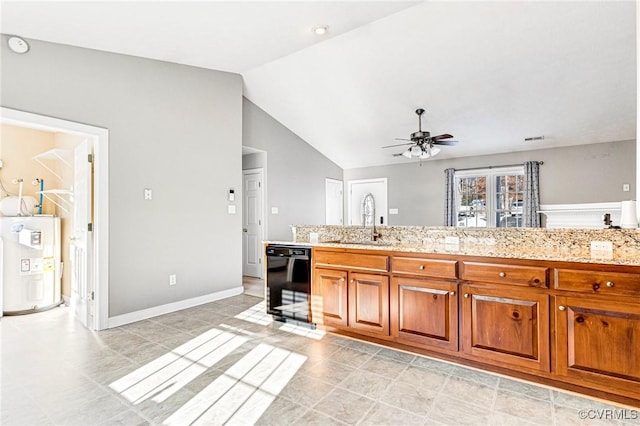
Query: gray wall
(578,174)
(296,173)
(256,160)
(173,128)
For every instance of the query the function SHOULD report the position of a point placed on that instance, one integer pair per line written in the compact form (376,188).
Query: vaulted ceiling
(489,73)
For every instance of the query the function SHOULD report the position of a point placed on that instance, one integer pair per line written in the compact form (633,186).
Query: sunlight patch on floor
(256,314)
(244,392)
(304,331)
(167,374)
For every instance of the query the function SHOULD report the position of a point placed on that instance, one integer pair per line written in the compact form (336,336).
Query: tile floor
(226,363)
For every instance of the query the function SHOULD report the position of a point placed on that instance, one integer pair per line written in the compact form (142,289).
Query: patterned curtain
(449,198)
(531,205)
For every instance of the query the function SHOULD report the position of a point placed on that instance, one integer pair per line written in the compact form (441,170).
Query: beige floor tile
(366,383)
(382,414)
(449,411)
(345,406)
(416,399)
(531,409)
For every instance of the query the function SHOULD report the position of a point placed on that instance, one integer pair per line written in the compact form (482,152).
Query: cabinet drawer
(529,276)
(597,282)
(352,261)
(424,267)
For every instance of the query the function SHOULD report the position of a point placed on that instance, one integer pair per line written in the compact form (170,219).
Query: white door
(81,253)
(357,191)
(252,223)
(334,201)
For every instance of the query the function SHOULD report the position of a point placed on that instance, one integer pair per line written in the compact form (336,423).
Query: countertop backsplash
(527,243)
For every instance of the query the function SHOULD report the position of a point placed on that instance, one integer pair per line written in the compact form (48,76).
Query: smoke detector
(18,45)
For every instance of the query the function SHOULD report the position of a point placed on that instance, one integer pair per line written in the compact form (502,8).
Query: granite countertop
(531,244)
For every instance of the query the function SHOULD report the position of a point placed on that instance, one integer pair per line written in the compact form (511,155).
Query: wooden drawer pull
(609,284)
(502,274)
(561,308)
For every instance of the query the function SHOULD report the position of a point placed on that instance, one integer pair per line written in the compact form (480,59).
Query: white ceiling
(490,73)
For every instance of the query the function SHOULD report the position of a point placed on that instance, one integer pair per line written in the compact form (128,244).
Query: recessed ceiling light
(18,45)
(320,30)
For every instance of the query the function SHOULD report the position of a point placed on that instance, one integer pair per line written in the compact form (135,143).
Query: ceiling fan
(422,143)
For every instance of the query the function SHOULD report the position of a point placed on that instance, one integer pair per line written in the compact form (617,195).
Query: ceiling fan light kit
(422,143)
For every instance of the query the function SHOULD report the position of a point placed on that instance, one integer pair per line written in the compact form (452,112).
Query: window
(490,197)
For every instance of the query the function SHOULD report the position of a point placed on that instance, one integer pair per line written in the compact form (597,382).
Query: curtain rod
(492,167)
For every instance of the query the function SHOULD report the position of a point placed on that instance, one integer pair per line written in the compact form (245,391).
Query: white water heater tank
(9,206)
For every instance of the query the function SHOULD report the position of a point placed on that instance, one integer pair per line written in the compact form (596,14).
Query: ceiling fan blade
(397,155)
(442,136)
(444,142)
(400,144)
(403,139)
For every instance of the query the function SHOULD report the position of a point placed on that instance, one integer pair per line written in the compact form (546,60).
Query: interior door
(252,223)
(358,189)
(82,285)
(334,202)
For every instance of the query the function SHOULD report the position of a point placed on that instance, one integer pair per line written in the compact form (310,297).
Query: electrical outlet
(148,194)
(173,280)
(601,250)
(625,187)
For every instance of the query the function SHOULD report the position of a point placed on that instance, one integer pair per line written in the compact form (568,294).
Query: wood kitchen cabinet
(567,324)
(348,293)
(329,297)
(369,303)
(506,326)
(424,302)
(425,313)
(598,331)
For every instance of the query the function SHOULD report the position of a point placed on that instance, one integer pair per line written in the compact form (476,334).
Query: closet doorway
(78,193)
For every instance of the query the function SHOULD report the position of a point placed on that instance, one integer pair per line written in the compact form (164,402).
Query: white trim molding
(123,319)
(585,216)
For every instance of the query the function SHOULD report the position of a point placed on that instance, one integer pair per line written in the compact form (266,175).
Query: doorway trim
(263,227)
(100,139)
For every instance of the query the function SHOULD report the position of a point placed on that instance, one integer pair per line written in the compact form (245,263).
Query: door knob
(244,230)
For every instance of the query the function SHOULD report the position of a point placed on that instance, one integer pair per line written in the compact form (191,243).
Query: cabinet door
(369,303)
(506,326)
(425,313)
(599,342)
(329,297)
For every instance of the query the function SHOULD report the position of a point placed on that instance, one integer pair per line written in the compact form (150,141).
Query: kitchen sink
(359,243)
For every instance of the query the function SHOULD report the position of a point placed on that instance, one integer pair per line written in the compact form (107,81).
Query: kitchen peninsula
(537,304)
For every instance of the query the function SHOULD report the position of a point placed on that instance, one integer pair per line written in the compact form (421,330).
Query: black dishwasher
(289,282)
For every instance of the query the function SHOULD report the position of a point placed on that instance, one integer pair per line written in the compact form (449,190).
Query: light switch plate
(625,187)
(393,211)
(231,209)
(274,210)
(148,194)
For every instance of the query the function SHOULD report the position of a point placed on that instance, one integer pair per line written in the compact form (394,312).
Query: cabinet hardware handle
(502,274)
(352,281)
(452,293)
(561,308)
(421,267)
(342,279)
(609,284)
(466,295)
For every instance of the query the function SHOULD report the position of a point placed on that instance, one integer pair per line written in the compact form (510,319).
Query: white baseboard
(119,320)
